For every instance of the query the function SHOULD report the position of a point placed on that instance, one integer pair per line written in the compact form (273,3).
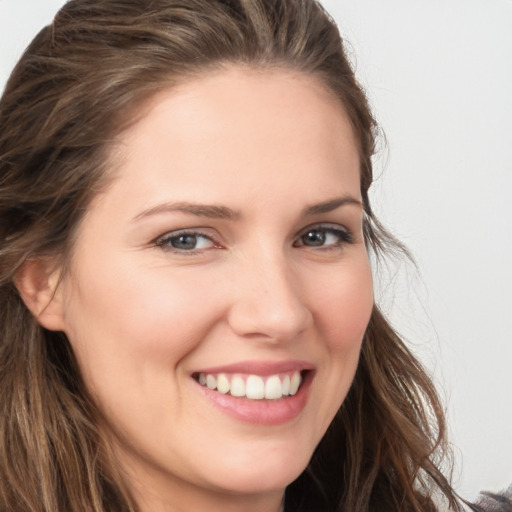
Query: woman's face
(220,287)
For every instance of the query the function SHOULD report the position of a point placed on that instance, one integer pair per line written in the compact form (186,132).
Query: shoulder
(486,502)
(491,502)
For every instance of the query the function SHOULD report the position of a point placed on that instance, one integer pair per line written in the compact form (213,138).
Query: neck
(190,500)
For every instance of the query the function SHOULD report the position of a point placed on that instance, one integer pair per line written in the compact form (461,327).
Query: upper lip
(262,368)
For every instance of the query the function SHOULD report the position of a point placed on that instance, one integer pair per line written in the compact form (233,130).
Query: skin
(143,316)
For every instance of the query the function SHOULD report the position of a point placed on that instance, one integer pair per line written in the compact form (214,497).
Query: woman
(186,295)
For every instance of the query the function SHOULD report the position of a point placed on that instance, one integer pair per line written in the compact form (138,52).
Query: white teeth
(273,388)
(211,381)
(253,387)
(286,385)
(237,386)
(295,383)
(222,384)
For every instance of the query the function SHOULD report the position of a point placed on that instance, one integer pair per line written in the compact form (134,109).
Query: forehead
(238,91)
(238,127)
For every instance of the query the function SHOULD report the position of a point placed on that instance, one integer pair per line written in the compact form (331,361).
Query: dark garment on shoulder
(490,502)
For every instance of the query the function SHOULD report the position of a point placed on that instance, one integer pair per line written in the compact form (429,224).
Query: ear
(37,282)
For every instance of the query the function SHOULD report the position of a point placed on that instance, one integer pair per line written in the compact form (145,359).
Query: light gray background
(439,77)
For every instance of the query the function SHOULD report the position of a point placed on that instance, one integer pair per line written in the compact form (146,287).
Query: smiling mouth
(251,386)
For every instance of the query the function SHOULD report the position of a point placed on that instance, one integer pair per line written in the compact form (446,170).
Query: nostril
(269,320)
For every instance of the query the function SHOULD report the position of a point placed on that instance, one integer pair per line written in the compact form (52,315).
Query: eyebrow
(199,210)
(223,212)
(330,205)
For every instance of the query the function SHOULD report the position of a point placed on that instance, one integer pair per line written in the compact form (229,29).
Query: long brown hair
(78,85)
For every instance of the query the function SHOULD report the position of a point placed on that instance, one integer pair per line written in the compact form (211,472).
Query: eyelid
(346,235)
(161,240)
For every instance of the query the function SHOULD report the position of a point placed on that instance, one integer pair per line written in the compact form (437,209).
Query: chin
(263,473)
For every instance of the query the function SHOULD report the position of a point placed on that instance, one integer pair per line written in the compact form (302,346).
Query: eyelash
(343,235)
(165,241)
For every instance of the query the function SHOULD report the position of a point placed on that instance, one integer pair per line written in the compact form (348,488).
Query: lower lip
(262,412)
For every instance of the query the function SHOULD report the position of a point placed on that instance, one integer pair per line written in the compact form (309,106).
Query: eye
(324,236)
(185,241)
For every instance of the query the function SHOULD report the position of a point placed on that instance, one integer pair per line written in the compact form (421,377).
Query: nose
(269,301)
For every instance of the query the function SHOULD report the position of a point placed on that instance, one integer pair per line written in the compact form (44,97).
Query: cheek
(121,321)
(170,312)
(344,310)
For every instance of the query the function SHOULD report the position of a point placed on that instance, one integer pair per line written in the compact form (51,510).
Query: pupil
(184,242)
(314,238)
